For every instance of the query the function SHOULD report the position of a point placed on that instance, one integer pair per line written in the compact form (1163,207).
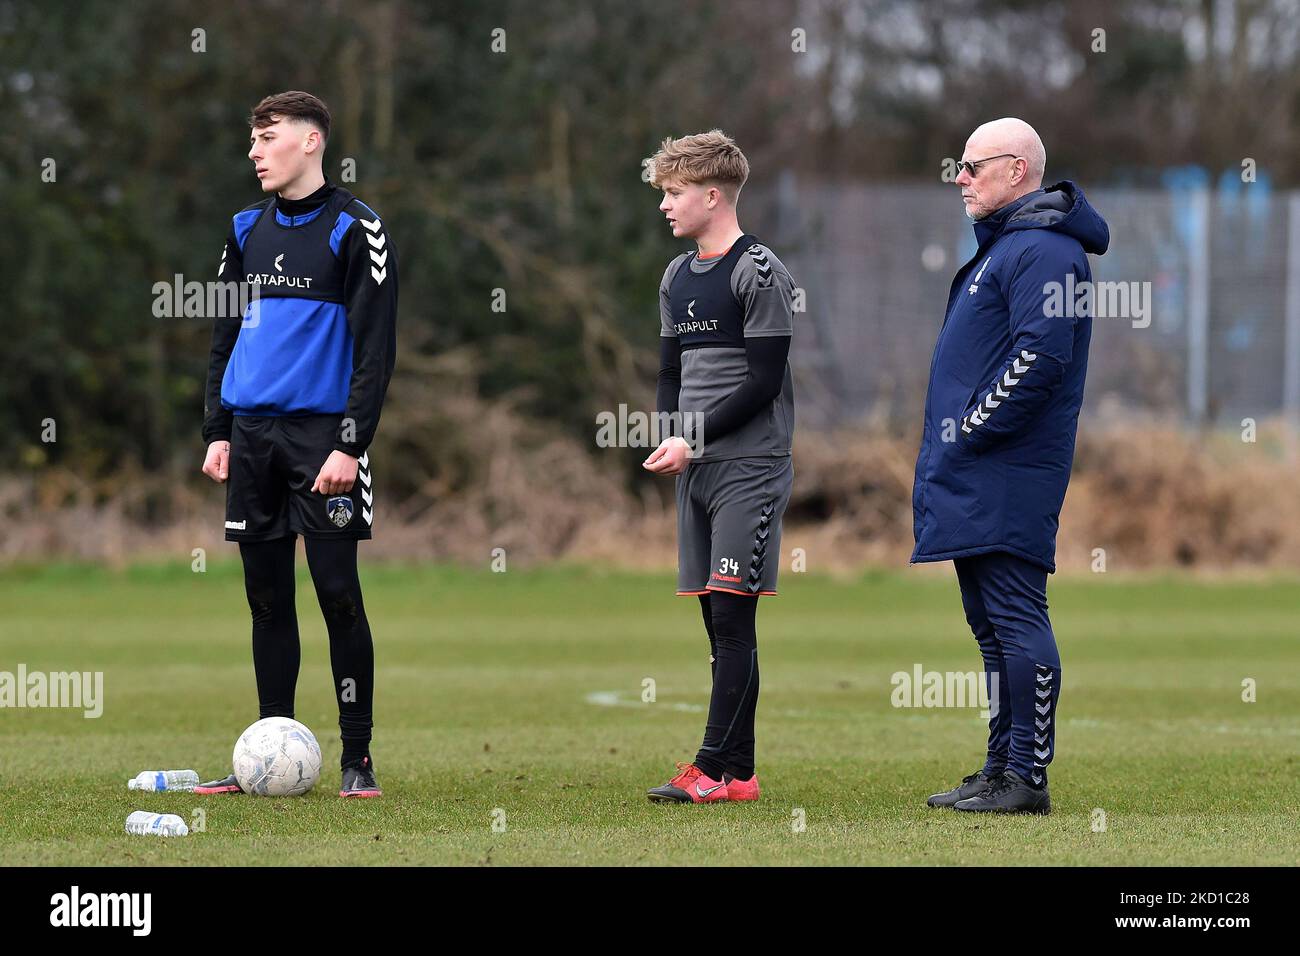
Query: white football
(277,757)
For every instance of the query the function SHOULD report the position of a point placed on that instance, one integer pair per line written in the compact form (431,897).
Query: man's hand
(337,475)
(670,458)
(217,465)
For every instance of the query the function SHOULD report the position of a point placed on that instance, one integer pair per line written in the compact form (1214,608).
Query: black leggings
(269,583)
(729,734)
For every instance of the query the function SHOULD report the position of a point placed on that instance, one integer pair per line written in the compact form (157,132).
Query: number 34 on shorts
(729,524)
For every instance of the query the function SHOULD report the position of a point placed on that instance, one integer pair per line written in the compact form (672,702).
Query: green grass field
(519,695)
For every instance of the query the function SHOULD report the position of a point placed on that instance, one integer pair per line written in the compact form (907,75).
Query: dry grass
(1152,496)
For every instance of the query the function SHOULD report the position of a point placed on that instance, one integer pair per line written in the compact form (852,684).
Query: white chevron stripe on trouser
(1044,709)
(364,480)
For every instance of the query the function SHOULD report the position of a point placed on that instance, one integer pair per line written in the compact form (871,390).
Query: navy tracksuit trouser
(1005,598)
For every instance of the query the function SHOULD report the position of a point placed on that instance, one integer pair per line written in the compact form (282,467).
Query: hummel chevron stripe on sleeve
(370,300)
(762,265)
(217,419)
(1001,391)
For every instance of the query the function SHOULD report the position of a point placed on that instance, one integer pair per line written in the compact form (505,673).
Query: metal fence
(1221,268)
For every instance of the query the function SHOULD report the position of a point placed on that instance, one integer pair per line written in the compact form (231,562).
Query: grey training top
(709,375)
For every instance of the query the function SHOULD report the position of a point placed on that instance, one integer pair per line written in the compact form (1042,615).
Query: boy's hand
(217,465)
(337,475)
(670,458)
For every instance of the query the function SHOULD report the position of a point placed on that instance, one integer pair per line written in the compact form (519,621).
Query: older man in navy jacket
(1001,412)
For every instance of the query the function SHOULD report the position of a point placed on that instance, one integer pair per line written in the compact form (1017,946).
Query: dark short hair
(293,104)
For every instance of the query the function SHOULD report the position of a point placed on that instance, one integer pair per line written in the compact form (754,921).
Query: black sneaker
(224,785)
(971,786)
(359,781)
(1011,794)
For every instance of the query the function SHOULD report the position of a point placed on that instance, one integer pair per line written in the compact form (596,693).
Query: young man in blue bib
(294,392)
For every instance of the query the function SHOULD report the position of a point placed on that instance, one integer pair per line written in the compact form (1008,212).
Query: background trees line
(519,171)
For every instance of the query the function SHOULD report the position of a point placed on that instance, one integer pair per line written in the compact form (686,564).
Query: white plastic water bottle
(156,824)
(164,780)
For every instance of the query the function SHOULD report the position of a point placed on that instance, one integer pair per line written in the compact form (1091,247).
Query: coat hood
(1063,208)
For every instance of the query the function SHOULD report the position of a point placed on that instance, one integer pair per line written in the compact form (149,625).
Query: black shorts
(274,462)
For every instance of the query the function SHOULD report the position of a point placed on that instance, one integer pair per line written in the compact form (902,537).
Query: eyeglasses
(973,167)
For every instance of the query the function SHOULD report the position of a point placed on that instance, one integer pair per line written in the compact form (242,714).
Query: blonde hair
(711,158)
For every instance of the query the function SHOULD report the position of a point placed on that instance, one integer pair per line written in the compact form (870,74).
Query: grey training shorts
(729,524)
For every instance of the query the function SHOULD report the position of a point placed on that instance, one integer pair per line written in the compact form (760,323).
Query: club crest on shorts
(339,510)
